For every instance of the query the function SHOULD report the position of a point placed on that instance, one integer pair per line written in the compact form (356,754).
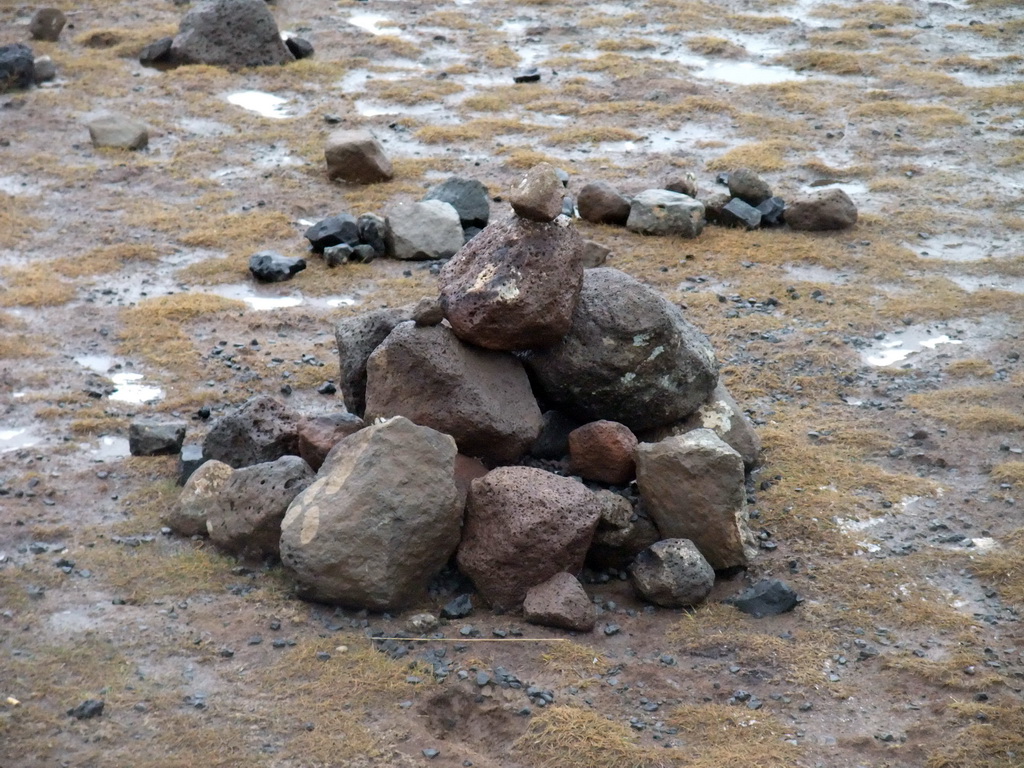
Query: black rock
(189,461)
(300,47)
(458,608)
(334,230)
(271,267)
(87,710)
(157,54)
(768,597)
(553,441)
(531,75)
(17,67)
(737,213)
(336,255)
(363,253)
(371,230)
(771,211)
(468,197)
(327,388)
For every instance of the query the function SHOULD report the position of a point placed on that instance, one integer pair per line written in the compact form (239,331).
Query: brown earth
(888,494)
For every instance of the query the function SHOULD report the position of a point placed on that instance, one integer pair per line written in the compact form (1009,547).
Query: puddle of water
(16,439)
(990,282)
(99,363)
(747,73)
(949,248)
(262,301)
(260,102)
(373,23)
(378,108)
(108,447)
(129,390)
(895,349)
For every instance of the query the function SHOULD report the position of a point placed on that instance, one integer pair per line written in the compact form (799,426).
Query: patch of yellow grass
(626,43)
(414,90)
(836,62)
(240,232)
(761,156)
(501,56)
(991,735)
(869,12)
(1004,568)
(719,735)
(33,286)
(712,45)
(479,128)
(974,367)
(593,134)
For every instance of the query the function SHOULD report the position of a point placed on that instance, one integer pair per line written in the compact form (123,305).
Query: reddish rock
(467,469)
(318,434)
(515,285)
(356,157)
(560,602)
(601,203)
(523,526)
(825,210)
(602,451)
(538,196)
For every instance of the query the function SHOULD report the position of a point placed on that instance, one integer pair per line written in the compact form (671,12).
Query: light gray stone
(660,212)
(430,229)
(229,33)
(672,573)
(118,132)
(202,490)
(155,437)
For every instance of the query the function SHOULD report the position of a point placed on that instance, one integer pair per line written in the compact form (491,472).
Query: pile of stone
(20,68)
(532,418)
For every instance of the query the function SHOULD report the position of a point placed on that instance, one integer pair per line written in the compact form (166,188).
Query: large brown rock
(261,429)
(230,33)
(319,434)
(46,24)
(356,157)
(356,338)
(246,518)
(379,522)
(825,210)
(523,526)
(602,451)
(481,398)
(630,356)
(515,285)
(749,187)
(560,602)
(693,487)
(601,203)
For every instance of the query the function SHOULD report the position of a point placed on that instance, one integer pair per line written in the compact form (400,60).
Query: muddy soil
(881,366)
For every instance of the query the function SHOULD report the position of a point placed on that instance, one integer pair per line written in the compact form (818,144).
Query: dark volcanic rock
(158,53)
(17,67)
(768,597)
(672,573)
(772,211)
(151,437)
(553,440)
(299,47)
(737,213)
(825,210)
(271,267)
(87,710)
(319,434)
(261,429)
(342,229)
(748,187)
(601,203)
(467,196)
(356,338)
(230,33)
(602,451)
(46,24)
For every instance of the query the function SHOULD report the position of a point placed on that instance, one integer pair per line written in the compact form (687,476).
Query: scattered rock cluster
(502,424)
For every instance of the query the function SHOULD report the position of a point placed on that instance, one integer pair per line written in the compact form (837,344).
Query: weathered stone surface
(660,212)
(356,157)
(553,440)
(261,429)
(45,69)
(468,197)
(769,597)
(515,285)
(693,487)
(602,451)
(158,54)
(380,521)
(427,230)
(616,511)
(684,185)
(713,205)
(594,254)
(467,469)
(427,311)
(481,398)
(538,195)
(601,203)
(356,338)
(155,437)
(189,460)
(772,211)
(246,517)
(230,33)
(17,67)
(341,229)
(373,232)
(672,573)
(630,356)
(319,434)
(560,602)
(46,24)
(272,267)
(749,187)
(721,414)
(737,213)
(202,490)
(825,210)
(118,132)
(616,547)
(523,526)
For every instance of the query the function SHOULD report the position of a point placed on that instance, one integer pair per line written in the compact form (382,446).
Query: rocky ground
(881,365)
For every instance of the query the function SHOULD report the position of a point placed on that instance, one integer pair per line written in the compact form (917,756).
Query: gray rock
(825,210)
(769,597)
(523,526)
(481,398)
(246,517)
(594,254)
(373,232)
(560,602)
(713,205)
(158,54)
(190,459)
(660,212)
(17,67)
(46,24)
(425,230)
(319,434)
(684,185)
(272,267)
(261,429)
(630,356)
(380,521)
(202,490)
(538,195)
(458,608)
(118,132)
(356,338)
(299,47)
(356,157)
(601,203)
(672,573)
(155,437)
(772,211)
(693,487)
(616,511)
(515,286)
(342,229)
(616,547)
(229,33)
(45,69)
(427,311)
(748,187)
(336,255)
(467,196)
(737,213)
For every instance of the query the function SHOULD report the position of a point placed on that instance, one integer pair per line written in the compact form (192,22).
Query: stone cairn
(533,418)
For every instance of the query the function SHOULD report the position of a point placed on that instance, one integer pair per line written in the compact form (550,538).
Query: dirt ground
(880,364)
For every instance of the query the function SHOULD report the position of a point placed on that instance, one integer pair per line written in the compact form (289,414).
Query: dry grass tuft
(971,408)
(992,736)
(712,45)
(1004,568)
(761,156)
(972,368)
(33,286)
(720,735)
(1009,472)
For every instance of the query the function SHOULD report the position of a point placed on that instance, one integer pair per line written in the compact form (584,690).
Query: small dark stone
(737,213)
(300,47)
(768,597)
(149,437)
(531,75)
(458,608)
(371,230)
(612,629)
(271,267)
(87,710)
(333,230)
(336,255)
(17,67)
(771,211)
(327,388)
(157,54)
(363,253)
(255,640)
(468,197)
(189,461)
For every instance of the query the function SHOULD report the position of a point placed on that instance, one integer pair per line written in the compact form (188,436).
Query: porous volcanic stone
(319,434)
(601,203)
(202,490)
(523,526)
(749,187)
(118,132)
(515,285)
(230,33)
(693,487)
(155,437)
(481,398)
(356,157)
(672,573)
(261,429)
(538,195)
(380,521)
(824,210)
(246,518)
(356,338)
(427,230)
(467,196)
(630,356)
(660,212)
(46,24)
(158,54)
(602,451)
(17,67)
(560,602)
